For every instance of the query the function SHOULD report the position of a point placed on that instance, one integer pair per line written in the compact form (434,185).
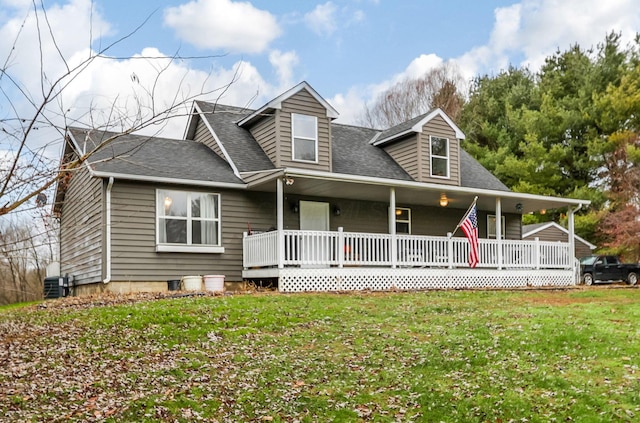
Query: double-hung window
(188,222)
(439,153)
(304,130)
(403,220)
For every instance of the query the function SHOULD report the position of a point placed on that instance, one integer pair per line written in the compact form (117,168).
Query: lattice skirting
(358,279)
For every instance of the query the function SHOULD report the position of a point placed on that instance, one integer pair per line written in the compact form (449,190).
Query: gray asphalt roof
(142,155)
(353,155)
(189,160)
(474,175)
(245,152)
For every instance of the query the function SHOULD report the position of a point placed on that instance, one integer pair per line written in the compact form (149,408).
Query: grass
(533,356)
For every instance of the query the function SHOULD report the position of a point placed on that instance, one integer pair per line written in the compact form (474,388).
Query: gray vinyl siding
(304,103)
(81,229)
(440,128)
(405,153)
(134,256)
(204,136)
(555,235)
(265,134)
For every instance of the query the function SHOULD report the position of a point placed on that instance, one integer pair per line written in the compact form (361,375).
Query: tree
(412,97)
(35,116)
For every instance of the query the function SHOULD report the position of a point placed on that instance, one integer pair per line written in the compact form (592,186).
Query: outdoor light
(168,201)
(519,207)
(444,201)
(294,208)
(337,211)
(288,180)
(543,211)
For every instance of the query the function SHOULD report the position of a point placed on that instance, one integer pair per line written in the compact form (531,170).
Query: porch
(338,260)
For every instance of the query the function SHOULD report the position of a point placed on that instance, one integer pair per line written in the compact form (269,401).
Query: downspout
(107,279)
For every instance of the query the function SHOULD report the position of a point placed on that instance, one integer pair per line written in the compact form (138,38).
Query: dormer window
(304,130)
(439,154)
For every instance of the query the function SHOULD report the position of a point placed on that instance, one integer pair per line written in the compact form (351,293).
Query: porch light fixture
(294,207)
(337,211)
(288,180)
(519,207)
(444,201)
(168,201)
(543,211)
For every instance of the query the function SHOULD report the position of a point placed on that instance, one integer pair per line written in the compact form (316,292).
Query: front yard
(547,355)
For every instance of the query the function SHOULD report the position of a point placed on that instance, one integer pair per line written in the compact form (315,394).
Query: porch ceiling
(415,193)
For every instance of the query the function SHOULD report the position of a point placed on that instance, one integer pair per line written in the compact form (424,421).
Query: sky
(348,50)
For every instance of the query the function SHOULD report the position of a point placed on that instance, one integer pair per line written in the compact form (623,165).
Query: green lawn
(526,356)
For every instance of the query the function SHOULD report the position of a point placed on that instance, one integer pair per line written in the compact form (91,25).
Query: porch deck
(338,260)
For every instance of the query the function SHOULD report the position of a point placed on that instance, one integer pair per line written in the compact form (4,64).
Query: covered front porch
(433,255)
(339,260)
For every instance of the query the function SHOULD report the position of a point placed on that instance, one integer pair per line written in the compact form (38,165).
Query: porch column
(572,238)
(392,227)
(280,221)
(499,230)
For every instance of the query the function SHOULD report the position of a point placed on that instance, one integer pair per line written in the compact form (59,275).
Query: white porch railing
(339,249)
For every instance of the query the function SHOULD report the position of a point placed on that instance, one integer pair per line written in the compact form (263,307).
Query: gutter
(107,279)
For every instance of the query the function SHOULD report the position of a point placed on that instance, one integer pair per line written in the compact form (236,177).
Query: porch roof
(366,188)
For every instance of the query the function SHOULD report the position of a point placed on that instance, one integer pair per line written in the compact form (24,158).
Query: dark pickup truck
(607,269)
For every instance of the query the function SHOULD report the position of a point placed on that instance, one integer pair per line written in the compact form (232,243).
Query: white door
(314,249)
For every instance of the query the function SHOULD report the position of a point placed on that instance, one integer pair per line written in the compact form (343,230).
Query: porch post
(572,238)
(392,227)
(499,230)
(280,221)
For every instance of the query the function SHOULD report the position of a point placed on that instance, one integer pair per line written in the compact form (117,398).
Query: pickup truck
(607,269)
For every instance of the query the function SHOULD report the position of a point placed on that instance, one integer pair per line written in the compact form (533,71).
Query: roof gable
(529,230)
(415,125)
(276,103)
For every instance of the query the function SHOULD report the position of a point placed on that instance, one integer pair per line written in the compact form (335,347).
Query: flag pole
(464,216)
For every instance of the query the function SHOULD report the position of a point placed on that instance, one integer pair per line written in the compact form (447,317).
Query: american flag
(470,228)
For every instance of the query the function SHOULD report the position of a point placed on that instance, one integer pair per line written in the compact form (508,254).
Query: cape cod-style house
(284,194)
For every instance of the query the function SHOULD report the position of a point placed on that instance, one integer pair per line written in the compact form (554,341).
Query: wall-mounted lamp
(543,211)
(294,208)
(288,180)
(398,212)
(168,201)
(444,201)
(519,207)
(337,211)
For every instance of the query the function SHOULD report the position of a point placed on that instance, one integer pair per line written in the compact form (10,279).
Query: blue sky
(348,50)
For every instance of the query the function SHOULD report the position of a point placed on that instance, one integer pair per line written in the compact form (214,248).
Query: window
(439,157)
(304,130)
(403,220)
(188,221)
(491,226)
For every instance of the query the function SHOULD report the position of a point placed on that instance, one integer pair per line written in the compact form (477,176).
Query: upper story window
(304,130)
(188,221)
(439,153)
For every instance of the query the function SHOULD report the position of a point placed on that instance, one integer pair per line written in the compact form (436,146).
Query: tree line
(571,129)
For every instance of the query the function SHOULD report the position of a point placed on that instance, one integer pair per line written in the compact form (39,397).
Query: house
(282,193)
(551,231)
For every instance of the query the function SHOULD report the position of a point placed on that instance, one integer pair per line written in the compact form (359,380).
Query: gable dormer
(294,129)
(427,147)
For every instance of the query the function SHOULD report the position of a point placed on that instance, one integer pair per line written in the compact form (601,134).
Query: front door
(314,248)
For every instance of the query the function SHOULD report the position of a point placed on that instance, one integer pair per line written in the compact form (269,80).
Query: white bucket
(192,283)
(214,283)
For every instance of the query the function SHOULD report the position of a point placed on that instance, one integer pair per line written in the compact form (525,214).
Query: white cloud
(284,64)
(237,27)
(322,20)
(526,33)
